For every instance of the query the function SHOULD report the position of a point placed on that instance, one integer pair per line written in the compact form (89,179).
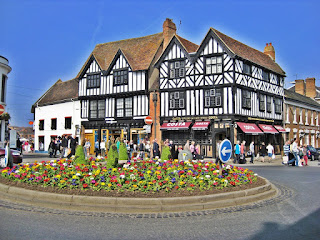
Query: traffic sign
(1,109)
(148,120)
(225,150)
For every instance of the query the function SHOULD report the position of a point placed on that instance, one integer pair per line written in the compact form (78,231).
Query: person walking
(141,149)
(192,149)
(103,148)
(295,151)
(286,151)
(51,148)
(87,146)
(270,151)
(187,146)
(237,152)
(155,149)
(96,147)
(305,155)
(251,148)
(263,151)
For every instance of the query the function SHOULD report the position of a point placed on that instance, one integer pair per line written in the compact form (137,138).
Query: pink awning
(200,125)
(249,128)
(175,126)
(279,128)
(267,128)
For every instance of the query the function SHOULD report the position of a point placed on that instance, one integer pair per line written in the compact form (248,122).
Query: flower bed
(145,176)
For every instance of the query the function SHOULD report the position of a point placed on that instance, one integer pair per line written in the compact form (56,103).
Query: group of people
(296,155)
(240,152)
(65,146)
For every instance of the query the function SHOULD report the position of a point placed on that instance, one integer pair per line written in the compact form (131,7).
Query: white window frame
(294,110)
(306,113)
(300,116)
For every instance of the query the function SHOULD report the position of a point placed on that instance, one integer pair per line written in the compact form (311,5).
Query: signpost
(148,120)
(225,153)
(1,109)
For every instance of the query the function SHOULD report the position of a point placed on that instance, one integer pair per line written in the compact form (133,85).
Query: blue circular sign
(225,150)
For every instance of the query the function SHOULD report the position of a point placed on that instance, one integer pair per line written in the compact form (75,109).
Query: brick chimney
(299,86)
(169,29)
(311,87)
(269,50)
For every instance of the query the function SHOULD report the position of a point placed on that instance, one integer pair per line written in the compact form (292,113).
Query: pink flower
(93,181)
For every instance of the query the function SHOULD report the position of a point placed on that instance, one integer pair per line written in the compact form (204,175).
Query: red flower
(127,182)
(176,187)
(85,185)
(191,185)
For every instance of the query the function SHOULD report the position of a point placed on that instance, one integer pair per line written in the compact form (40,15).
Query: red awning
(200,125)
(279,128)
(249,128)
(175,126)
(267,128)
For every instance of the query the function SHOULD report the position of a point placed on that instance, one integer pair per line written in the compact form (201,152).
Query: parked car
(312,153)
(16,155)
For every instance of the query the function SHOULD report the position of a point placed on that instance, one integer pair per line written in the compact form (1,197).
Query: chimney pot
(269,50)
(169,30)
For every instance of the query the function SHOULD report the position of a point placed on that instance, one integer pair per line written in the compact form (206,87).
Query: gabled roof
(59,92)
(292,95)
(139,52)
(189,46)
(249,53)
(293,88)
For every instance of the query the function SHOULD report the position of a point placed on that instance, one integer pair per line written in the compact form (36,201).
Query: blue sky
(47,40)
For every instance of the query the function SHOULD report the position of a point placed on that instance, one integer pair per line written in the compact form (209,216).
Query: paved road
(297,216)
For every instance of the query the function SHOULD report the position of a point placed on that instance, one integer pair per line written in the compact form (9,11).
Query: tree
(112,157)
(79,157)
(165,155)
(123,154)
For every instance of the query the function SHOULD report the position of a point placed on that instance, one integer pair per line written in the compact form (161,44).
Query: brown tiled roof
(292,95)
(60,91)
(249,53)
(189,46)
(138,51)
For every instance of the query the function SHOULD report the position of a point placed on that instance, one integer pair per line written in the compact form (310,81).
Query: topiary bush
(123,154)
(112,157)
(165,155)
(80,157)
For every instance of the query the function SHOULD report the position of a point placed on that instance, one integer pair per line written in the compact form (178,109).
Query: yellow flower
(167,179)
(74,176)
(62,181)
(201,181)
(109,184)
(135,186)
(5,171)
(97,172)
(103,183)
(181,183)
(58,176)
(149,172)
(114,169)
(150,183)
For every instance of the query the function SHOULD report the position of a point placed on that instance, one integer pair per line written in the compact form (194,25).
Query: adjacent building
(5,69)
(56,113)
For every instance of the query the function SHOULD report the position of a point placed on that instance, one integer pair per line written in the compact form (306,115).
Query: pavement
(32,157)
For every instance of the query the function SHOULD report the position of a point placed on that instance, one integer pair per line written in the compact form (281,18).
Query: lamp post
(155,99)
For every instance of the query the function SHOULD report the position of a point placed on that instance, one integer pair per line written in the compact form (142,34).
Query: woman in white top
(270,150)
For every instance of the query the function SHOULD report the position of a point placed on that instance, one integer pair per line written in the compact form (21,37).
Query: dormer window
(120,77)
(247,69)
(93,81)
(213,65)
(177,69)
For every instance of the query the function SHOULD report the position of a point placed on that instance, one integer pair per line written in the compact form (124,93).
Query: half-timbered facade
(224,82)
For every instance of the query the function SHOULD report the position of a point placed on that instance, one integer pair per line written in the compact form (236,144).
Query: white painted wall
(58,111)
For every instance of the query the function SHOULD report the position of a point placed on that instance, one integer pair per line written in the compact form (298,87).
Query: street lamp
(155,99)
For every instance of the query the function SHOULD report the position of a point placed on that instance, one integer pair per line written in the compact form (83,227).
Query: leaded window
(93,81)
(277,106)
(176,100)
(120,77)
(246,99)
(212,98)
(269,100)
(177,69)
(265,75)
(214,65)
(262,102)
(246,68)
(97,108)
(124,107)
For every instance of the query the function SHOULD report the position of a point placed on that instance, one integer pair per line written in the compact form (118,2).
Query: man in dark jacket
(73,145)
(64,145)
(156,151)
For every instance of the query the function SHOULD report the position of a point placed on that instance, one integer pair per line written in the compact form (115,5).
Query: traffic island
(129,205)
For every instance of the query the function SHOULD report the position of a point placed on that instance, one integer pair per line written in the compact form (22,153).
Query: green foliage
(79,157)
(165,153)
(112,157)
(123,154)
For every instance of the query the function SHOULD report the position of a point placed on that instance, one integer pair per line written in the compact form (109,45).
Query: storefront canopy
(249,128)
(175,126)
(268,128)
(200,125)
(279,128)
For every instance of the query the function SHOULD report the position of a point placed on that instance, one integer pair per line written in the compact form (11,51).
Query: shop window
(246,99)
(177,69)
(214,65)
(176,100)
(67,122)
(53,124)
(212,98)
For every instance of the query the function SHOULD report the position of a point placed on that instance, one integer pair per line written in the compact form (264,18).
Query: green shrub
(112,157)
(123,154)
(165,155)
(79,157)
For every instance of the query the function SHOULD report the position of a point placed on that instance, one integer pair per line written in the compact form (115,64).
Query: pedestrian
(103,148)
(243,152)
(251,148)
(96,147)
(118,143)
(237,153)
(141,149)
(192,148)
(172,150)
(155,148)
(187,146)
(270,151)
(197,152)
(305,155)
(51,148)
(263,151)
(87,146)
(147,148)
(295,151)
(286,151)
(64,146)
(73,145)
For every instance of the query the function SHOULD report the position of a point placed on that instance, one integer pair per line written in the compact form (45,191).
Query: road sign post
(225,152)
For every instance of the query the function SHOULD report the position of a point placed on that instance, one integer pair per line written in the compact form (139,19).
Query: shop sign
(175,125)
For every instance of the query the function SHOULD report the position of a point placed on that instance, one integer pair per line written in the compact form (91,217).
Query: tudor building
(224,89)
